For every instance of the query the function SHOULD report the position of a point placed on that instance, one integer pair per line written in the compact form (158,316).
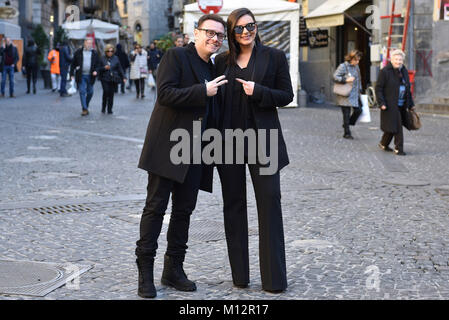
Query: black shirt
(237,112)
(206,71)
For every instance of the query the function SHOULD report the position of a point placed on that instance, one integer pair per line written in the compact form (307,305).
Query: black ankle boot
(173,275)
(146,283)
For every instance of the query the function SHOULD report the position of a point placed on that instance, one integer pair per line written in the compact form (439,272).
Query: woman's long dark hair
(234,47)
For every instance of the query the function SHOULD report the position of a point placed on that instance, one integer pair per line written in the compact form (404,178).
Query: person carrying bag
(347,88)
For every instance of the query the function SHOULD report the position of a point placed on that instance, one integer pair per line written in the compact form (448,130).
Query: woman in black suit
(258,82)
(111,74)
(394,97)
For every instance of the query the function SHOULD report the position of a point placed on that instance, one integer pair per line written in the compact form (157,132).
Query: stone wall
(440,63)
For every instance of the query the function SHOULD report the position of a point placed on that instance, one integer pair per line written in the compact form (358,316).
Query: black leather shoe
(146,287)
(241,285)
(385,148)
(174,276)
(274,291)
(399,153)
(348,136)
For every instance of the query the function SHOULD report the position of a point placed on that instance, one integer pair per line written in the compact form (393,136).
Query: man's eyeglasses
(109,50)
(211,33)
(250,27)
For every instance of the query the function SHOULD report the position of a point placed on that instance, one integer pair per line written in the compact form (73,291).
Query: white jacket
(139,62)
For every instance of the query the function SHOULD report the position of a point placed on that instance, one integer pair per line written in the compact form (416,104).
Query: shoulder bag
(343,89)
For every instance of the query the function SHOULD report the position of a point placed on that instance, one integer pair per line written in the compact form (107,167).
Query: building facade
(364,25)
(149,20)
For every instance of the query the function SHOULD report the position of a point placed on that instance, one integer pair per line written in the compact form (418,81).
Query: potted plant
(165,42)
(43,43)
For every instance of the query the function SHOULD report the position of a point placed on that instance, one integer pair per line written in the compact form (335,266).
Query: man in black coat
(9,66)
(84,69)
(185,94)
(65,60)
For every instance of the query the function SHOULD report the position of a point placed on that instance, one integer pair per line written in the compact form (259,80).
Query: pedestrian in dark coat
(9,63)
(84,70)
(31,64)
(185,91)
(65,59)
(394,96)
(111,74)
(258,82)
(154,57)
(124,62)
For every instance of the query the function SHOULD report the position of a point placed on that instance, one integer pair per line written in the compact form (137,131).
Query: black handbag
(413,120)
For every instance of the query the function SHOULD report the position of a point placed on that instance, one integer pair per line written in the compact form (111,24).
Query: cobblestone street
(359,223)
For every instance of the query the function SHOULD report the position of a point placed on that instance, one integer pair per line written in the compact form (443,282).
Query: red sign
(210,6)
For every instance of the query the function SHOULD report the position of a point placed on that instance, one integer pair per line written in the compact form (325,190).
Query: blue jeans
(8,70)
(86,90)
(62,88)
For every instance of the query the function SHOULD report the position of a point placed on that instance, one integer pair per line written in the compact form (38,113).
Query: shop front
(344,21)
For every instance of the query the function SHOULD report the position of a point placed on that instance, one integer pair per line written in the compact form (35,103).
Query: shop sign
(318,39)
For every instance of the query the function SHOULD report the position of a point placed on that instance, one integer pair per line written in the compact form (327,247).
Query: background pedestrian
(394,97)
(111,75)
(124,62)
(65,59)
(55,70)
(139,69)
(9,64)
(349,72)
(31,64)
(84,69)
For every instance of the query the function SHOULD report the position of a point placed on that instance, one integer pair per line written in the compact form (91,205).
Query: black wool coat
(273,88)
(115,73)
(181,99)
(76,67)
(387,93)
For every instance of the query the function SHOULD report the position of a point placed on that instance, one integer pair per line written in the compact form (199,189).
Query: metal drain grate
(70,208)
(36,278)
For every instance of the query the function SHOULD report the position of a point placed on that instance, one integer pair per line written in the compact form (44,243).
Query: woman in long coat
(349,72)
(139,69)
(111,75)
(258,82)
(394,97)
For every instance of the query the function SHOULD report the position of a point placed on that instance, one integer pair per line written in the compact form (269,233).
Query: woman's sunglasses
(250,27)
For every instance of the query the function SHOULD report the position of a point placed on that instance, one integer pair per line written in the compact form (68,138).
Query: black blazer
(77,65)
(387,94)
(273,88)
(181,99)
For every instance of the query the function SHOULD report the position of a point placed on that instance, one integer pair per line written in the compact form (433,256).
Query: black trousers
(140,86)
(349,119)
(398,137)
(271,232)
(184,196)
(108,95)
(31,71)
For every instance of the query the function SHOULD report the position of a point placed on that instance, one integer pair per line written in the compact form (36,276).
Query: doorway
(351,36)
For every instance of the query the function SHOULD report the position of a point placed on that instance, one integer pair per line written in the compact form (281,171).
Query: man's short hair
(214,17)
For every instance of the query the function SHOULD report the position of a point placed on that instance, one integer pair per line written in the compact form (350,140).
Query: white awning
(329,14)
